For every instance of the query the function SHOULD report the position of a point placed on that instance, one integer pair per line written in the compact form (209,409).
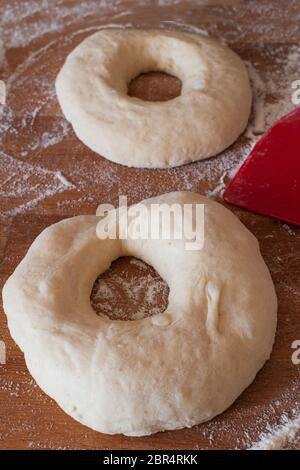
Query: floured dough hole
(155,86)
(129,290)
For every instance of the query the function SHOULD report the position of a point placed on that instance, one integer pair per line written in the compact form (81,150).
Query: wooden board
(46,174)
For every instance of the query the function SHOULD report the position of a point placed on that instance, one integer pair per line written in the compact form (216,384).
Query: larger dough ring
(210,114)
(171,370)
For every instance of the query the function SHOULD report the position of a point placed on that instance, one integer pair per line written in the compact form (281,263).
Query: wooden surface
(36,144)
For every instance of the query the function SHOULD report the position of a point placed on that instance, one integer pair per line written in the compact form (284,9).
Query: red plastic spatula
(269,180)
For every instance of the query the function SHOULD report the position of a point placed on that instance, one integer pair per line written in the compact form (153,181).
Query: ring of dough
(166,371)
(210,114)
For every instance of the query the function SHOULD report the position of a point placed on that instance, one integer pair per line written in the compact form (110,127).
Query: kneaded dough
(210,114)
(175,369)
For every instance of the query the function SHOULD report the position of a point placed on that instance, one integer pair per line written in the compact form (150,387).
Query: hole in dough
(129,290)
(155,86)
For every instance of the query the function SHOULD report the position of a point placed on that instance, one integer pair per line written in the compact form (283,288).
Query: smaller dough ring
(167,371)
(210,114)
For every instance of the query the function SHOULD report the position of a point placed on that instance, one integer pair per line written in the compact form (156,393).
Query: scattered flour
(129,297)
(2,92)
(63,179)
(184,27)
(281,435)
(2,54)
(23,185)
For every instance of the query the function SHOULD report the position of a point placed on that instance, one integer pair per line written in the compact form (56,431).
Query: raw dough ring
(167,371)
(210,114)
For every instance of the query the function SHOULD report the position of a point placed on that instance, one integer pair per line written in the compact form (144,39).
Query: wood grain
(260,32)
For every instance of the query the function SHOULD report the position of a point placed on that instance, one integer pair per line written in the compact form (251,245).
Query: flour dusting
(2,93)
(281,435)
(125,295)
(2,54)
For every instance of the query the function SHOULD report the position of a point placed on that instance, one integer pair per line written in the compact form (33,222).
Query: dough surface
(168,371)
(210,114)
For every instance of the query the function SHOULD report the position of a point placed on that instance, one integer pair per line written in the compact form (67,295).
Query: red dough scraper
(269,180)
